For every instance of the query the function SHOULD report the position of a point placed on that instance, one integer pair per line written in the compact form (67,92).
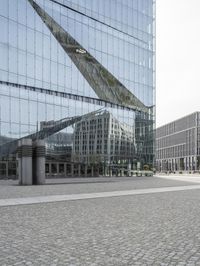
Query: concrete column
(19,159)
(185,164)
(106,171)
(195,158)
(65,169)
(50,172)
(57,169)
(97,171)
(86,168)
(92,171)
(7,169)
(72,169)
(110,172)
(26,162)
(79,170)
(118,172)
(39,162)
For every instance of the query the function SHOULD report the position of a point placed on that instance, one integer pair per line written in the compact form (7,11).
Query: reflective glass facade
(113,42)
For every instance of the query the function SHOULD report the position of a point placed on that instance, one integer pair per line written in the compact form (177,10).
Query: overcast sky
(177,59)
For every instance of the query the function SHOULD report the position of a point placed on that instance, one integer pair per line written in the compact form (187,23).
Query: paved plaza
(106,221)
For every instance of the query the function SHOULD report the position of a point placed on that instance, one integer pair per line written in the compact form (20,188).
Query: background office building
(178,145)
(67,58)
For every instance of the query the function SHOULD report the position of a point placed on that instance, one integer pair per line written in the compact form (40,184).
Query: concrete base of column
(26,162)
(19,159)
(39,162)
(40,171)
(19,170)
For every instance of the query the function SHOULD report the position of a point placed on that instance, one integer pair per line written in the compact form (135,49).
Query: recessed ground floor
(187,163)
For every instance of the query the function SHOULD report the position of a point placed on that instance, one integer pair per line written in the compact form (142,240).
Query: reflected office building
(65,59)
(104,143)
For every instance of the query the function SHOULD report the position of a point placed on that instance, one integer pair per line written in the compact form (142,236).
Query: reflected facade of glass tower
(66,58)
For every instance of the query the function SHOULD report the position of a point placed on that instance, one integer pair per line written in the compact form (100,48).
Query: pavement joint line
(83,196)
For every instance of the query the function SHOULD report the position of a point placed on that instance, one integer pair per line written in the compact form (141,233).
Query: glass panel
(24,111)
(4,8)
(21,63)
(4,29)
(21,37)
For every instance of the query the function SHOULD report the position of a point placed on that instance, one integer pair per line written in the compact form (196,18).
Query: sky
(177,59)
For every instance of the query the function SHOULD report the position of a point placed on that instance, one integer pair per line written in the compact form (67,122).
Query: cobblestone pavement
(94,195)
(151,229)
(10,189)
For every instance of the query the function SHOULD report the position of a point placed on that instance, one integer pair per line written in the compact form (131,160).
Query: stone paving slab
(58,198)
(10,189)
(151,229)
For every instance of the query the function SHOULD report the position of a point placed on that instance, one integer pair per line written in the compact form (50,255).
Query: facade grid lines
(177,145)
(39,81)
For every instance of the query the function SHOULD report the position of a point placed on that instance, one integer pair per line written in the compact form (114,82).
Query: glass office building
(65,58)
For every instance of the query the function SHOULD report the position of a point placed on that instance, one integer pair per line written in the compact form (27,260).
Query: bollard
(39,162)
